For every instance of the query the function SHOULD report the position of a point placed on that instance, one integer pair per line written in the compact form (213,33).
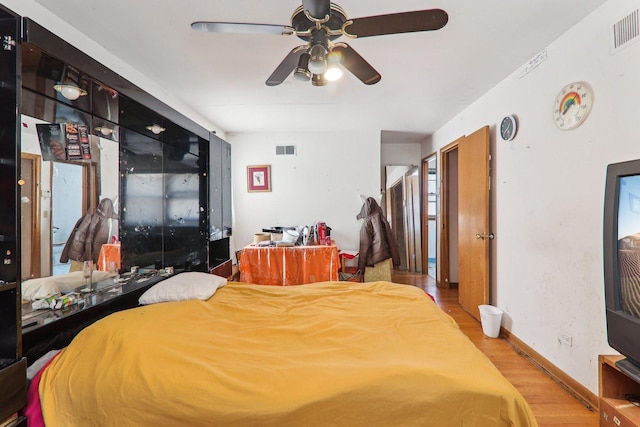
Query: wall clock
(572,105)
(508,128)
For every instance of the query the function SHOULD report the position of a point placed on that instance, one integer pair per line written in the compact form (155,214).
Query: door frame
(445,196)
(445,271)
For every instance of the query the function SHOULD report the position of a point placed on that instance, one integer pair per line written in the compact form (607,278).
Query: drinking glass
(87,269)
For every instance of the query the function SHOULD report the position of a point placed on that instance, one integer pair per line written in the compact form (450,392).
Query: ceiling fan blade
(319,9)
(356,64)
(239,27)
(288,64)
(395,23)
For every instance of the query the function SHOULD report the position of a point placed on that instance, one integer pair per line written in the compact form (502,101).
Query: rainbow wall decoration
(571,98)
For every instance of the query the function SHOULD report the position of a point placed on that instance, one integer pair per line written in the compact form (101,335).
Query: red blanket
(32,411)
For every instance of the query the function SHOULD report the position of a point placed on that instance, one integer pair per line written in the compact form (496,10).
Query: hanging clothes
(377,241)
(90,232)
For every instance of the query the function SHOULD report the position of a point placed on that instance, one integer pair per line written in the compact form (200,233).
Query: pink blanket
(32,411)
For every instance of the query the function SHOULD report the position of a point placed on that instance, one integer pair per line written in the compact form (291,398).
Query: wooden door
(473,220)
(398,221)
(30,215)
(413,208)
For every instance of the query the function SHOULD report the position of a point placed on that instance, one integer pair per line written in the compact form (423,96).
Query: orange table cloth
(285,266)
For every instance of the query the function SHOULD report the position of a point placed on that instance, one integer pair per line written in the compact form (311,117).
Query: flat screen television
(622,262)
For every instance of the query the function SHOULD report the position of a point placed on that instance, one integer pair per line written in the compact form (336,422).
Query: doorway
(68,204)
(429,214)
(403,214)
(449,217)
(465,219)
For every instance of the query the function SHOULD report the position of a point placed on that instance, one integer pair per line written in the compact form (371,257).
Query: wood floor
(552,405)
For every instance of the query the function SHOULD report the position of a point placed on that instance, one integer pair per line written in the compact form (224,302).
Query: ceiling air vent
(285,150)
(625,31)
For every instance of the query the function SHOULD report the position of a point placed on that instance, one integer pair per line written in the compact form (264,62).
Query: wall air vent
(625,32)
(285,150)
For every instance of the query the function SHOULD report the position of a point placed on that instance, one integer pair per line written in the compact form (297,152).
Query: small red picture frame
(259,178)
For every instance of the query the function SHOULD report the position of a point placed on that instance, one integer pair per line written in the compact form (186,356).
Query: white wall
(397,154)
(394,173)
(400,153)
(548,190)
(324,181)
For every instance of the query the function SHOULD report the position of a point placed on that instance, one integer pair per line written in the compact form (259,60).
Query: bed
(322,354)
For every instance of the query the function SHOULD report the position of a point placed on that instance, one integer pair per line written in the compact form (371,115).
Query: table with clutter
(285,263)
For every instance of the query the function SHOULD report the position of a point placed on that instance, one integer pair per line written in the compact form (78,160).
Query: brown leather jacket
(89,234)
(377,241)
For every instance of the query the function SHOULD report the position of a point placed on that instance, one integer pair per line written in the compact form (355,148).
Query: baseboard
(576,389)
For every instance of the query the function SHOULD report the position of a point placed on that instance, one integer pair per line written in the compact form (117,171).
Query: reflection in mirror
(163,222)
(67,205)
(57,194)
(403,213)
(43,73)
(157,183)
(141,182)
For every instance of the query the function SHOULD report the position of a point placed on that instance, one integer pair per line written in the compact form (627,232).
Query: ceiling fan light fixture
(333,74)
(334,71)
(156,129)
(317,59)
(69,90)
(318,80)
(319,23)
(104,130)
(302,72)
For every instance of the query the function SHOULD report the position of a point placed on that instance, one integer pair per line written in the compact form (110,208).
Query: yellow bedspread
(324,354)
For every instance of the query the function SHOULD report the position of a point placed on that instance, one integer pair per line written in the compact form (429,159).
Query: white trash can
(491,318)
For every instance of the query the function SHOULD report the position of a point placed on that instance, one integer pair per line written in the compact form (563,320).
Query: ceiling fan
(319,23)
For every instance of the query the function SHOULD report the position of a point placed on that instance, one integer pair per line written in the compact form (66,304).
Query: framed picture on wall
(259,178)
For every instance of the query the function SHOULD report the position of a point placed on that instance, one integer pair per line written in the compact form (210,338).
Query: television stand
(614,383)
(629,368)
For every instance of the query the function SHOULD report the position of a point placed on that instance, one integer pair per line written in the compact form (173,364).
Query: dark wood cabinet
(615,409)
(13,387)
(13,381)
(223,270)
(219,206)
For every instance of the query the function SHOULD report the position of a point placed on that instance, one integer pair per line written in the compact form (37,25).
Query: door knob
(484,236)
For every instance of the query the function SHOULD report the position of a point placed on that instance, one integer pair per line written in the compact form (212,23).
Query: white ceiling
(427,77)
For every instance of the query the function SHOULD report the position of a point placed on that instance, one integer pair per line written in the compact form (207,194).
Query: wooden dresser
(615,409)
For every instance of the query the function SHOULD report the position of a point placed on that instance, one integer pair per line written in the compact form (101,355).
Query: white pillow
(183,286)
